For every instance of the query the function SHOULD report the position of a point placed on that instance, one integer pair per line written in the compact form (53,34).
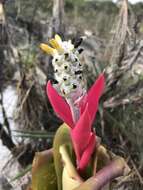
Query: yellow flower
(56,44)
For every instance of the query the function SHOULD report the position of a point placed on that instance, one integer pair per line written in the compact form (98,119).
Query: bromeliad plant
(77,159)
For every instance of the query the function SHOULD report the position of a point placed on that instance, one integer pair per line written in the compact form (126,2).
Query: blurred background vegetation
(112,41)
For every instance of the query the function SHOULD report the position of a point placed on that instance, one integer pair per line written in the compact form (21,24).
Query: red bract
(84,140)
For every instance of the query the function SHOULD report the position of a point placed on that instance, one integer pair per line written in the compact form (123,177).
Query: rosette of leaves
(55,169)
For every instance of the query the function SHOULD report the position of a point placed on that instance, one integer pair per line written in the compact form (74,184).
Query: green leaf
(43,171)
(70,176)
(102,158)
(62,137)
(33,134)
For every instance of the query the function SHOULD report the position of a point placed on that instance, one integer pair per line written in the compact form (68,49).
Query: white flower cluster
(69,71)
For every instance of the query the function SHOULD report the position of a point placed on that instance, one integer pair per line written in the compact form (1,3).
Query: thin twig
(26,95)
(137,171)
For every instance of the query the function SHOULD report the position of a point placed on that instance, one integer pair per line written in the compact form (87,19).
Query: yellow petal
(47,49)
(55,45)
(58,38)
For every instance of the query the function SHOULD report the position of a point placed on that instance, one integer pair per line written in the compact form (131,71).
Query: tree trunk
(58,17)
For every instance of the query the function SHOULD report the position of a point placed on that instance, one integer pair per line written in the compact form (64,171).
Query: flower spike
(77,103)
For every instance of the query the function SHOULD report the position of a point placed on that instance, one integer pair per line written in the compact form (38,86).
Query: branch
(6,139)
(6,122)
